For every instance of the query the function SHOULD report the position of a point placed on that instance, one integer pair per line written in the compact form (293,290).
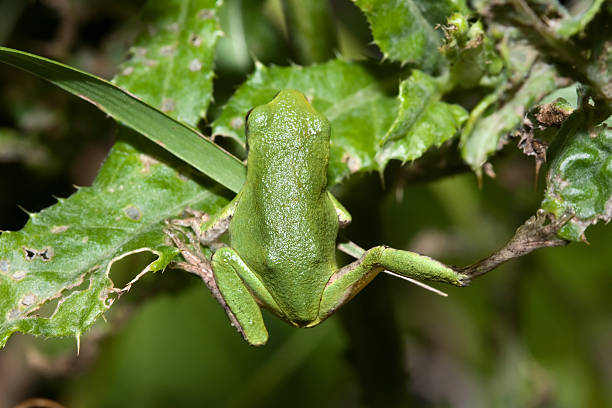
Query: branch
(533,234)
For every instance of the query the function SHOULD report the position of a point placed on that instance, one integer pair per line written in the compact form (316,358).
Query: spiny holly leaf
(404,30)
(482,134)
(579,180)
(422,121)
(172,60)
(65,252)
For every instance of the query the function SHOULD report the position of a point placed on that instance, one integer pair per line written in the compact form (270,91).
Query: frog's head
(289,122)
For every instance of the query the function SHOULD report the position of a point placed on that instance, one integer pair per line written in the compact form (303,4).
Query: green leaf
(179,139)
(171,64)
(404,30)
(65,252)
(570,26)
(483,132)
(352,99)
(422,121)
(579,180)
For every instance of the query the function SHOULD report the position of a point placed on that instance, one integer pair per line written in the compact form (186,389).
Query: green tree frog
(283,226)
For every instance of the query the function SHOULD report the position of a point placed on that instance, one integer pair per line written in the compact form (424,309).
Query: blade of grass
(179,139)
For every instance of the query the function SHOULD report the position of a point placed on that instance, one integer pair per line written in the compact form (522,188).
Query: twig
(533,234)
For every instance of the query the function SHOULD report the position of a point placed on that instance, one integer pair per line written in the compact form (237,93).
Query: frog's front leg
(349,280)
(208,229)
(344,217)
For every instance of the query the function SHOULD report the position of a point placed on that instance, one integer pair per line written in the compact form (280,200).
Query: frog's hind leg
(197,263)
(236,282)
(349,280)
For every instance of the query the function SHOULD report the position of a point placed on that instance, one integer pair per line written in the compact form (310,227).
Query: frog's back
(285,225)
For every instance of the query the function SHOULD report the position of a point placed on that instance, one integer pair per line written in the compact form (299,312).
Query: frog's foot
(194,259)
(463,279)
(197,263)
(192,219)
(207,229)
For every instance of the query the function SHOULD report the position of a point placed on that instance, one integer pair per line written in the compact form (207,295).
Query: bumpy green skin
(284,225)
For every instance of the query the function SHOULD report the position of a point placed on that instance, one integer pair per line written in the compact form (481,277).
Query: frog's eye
(246,128)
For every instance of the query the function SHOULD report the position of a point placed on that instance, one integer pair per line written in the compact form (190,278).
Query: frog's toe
(203,216)
(464,280)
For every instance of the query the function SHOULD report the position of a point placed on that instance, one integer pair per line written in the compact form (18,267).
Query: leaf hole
(46,254)
(29,254)
(48,308)
(4,265)
(126,269)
